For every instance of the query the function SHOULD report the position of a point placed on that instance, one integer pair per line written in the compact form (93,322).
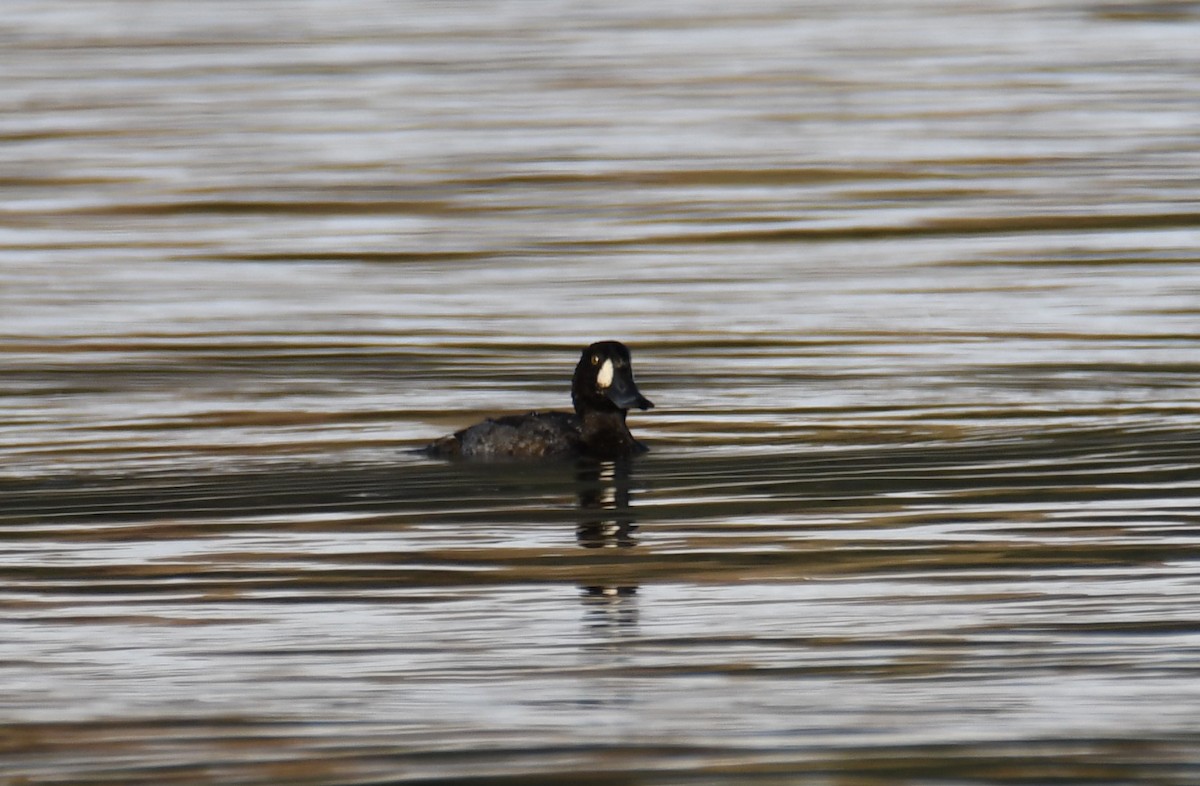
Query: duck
(602,393)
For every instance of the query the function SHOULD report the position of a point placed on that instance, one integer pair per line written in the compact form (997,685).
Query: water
(913,288)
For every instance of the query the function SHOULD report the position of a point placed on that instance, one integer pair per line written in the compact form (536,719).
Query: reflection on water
(607,519)
(607,522)
(914,286)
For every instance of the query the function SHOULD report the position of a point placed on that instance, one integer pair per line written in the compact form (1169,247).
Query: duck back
(532,436)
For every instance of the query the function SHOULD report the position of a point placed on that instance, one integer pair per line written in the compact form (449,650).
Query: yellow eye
(595,360)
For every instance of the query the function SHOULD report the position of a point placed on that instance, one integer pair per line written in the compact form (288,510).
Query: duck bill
(625,394)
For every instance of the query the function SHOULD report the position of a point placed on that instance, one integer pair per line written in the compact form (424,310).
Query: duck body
(602,391)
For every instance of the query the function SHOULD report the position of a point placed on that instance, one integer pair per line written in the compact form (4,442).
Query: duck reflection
(607,522)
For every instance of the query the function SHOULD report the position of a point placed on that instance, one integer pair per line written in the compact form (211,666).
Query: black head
(604,380)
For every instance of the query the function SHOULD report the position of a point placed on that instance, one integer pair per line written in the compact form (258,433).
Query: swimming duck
(602,390)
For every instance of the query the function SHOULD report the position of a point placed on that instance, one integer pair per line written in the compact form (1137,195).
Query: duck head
(604,380)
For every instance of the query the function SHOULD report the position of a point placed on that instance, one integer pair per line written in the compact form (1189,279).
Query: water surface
(913,288)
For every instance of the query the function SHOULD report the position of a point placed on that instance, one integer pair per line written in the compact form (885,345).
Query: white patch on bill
(604,375)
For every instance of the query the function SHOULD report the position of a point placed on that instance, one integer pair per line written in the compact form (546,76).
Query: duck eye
(595,359)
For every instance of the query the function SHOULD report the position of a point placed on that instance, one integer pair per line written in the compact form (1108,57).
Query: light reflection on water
(912,287)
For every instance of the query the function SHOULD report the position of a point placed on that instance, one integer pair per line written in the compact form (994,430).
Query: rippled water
(914,288)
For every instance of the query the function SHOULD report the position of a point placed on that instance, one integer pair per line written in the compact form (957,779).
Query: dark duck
(602,390)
